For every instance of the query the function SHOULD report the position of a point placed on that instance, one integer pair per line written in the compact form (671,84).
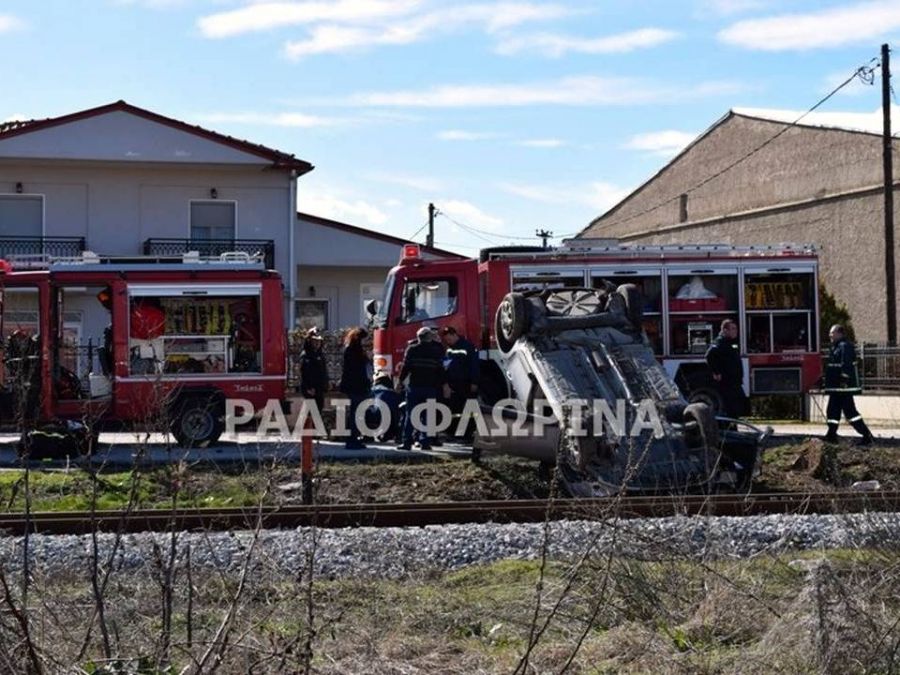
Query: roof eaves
(656,175)
(279,159)
(361,231)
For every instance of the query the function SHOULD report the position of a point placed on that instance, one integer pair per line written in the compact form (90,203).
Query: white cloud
(422,183)
(555,45)
(575,91)
(597,195)
(663,143)
(833,27)
(335,36)
(353,211)
(542,143)
(462,135)
(870,122)
(469,214)
(263,16)
(272,119)
(731,7)
(9,23)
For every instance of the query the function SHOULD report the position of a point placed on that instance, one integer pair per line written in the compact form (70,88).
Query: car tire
(511,320)
(634,304)
(198,422)
(706,423)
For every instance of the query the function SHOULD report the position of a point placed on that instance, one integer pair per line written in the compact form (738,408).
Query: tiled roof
(281,160)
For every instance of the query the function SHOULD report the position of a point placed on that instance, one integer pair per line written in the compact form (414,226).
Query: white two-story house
(122,181)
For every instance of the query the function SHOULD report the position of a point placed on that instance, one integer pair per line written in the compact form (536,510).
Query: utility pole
(429,240)
(888,196)
(544,235)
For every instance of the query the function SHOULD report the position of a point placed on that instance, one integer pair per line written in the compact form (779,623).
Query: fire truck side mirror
(372,307)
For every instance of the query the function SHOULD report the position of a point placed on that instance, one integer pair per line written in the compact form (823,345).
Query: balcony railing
(212,247)
(41,246)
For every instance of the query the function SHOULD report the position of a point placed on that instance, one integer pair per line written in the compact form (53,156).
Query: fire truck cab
(179,337)
(687,291)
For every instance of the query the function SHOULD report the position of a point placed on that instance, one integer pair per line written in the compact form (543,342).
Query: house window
(21,216)
(213,220)
(312,313)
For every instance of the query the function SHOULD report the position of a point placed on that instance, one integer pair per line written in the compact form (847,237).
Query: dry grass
(834,613)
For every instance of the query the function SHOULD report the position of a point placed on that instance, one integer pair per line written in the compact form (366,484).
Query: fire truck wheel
(511,323)
(634,303)
(198,422)
(706,423)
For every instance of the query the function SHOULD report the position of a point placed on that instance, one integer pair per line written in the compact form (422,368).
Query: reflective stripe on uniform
(856,419)
(833,421)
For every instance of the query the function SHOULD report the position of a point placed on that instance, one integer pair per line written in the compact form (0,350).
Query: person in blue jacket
(383,390)
(841,383)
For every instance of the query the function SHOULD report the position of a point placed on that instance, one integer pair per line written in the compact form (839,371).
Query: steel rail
(443,513)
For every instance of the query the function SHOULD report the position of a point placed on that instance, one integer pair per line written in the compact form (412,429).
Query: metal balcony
(212,247)
(11,247)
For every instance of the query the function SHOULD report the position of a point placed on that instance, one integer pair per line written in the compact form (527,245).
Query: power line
(414,234)
(476,231)
(864,73)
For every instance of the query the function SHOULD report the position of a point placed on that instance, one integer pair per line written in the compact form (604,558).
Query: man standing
(724,360)
(423,365)
(841,383)
(461,365)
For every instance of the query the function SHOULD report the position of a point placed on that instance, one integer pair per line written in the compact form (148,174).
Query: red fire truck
(771,291)
(179,337)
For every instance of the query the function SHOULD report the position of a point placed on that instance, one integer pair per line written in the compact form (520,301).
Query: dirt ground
(792,465)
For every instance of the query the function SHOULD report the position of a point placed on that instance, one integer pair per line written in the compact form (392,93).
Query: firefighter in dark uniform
(724,360)
(461,364)
(423,365)
(841,383)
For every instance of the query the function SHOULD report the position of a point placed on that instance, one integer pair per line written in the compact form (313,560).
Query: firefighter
(841,383)
(724,360)
(461,365)
(423,365)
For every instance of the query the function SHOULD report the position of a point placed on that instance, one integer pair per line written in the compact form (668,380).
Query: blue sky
(510,116)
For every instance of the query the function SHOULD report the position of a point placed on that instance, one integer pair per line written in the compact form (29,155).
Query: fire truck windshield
(380,320)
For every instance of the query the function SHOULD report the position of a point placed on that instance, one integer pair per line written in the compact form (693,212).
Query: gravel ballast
(399,552)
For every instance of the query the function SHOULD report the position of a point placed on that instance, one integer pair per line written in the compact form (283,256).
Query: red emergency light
(5,266)
(411,251)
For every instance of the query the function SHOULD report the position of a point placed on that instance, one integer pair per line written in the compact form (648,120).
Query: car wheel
(634,304)
(706,423)
(511,323)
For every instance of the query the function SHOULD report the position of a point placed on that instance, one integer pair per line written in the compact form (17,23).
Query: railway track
(443,513)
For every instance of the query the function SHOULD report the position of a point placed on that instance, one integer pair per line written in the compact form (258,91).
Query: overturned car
(592,398)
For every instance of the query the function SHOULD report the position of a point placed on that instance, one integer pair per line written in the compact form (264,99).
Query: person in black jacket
(313,369)
(841,383)
(355,381)
(423,365)
(724,360)
(462,367)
